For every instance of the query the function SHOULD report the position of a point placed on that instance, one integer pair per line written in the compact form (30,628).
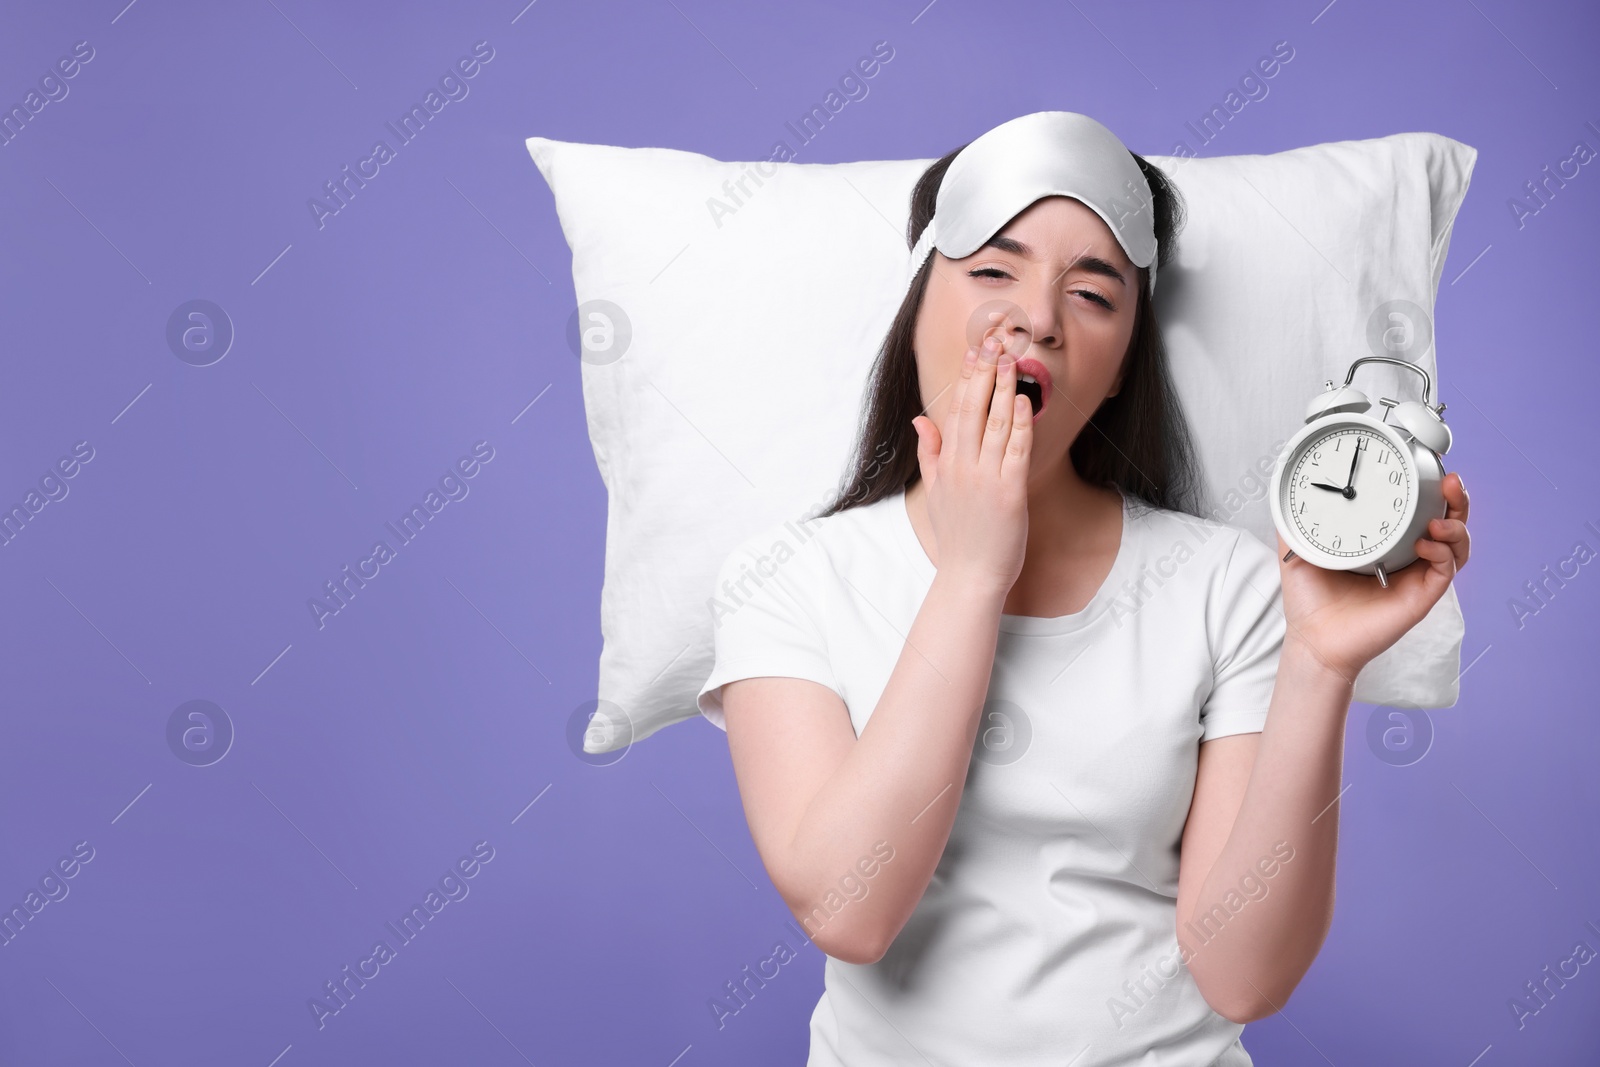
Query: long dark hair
(1137,440)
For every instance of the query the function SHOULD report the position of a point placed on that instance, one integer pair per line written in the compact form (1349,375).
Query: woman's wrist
(979,592)
(1301,662)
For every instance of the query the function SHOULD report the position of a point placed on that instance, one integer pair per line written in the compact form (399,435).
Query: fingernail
(971,357)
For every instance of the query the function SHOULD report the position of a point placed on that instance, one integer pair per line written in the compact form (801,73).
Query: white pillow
(723,379)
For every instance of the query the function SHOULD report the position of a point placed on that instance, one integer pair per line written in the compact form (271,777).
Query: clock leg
(1287,556)
(1383,579)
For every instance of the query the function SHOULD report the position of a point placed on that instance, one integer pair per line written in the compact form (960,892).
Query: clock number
(1383,457)
(1384,529)
(1398,503)
(1305,480)
(1363,542)
(1336,541)
(1316,454)
(1394,477)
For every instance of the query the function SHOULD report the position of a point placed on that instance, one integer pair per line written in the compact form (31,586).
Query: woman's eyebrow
(1091,264)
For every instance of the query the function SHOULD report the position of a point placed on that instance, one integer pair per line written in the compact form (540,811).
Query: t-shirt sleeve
(766,613)
(1247,626)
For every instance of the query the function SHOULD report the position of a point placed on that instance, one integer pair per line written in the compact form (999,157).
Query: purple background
(372,352)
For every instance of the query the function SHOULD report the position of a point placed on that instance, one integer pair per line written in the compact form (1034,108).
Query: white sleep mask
(1047,153)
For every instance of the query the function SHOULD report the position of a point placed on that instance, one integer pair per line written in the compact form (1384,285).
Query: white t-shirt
(1047,934)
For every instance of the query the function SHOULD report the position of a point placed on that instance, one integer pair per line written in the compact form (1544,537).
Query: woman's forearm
(902,780)
(1249,958)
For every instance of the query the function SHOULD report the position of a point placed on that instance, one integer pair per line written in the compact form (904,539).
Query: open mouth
(1028,387)
(1033,382)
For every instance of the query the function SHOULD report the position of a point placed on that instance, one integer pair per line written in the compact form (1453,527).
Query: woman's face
(1055,286)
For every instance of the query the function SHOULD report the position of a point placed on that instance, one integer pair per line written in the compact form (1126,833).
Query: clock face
(1348,490)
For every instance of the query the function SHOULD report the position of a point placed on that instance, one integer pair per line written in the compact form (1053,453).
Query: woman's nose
(1042,315)
(1036,320)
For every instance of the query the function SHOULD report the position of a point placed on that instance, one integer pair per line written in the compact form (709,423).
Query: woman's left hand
(1346,619)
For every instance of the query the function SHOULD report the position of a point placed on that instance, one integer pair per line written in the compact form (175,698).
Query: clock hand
(1350,479)
(1324,485)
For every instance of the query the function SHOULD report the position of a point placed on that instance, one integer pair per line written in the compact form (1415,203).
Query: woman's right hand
(975,468)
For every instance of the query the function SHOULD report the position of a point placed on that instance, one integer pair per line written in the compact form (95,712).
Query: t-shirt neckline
(1092,612)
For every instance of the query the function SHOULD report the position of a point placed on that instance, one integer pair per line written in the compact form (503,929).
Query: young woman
(1044,762)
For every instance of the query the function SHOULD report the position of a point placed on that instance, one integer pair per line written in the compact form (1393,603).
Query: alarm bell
(1337,400)
(1419,419)
(1422,422)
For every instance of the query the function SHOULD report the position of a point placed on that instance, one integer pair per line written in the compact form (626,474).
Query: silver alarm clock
(1353,493)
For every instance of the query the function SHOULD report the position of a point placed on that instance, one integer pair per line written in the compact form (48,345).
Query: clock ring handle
(1427,382)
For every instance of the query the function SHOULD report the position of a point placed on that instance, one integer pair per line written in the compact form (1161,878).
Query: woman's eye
(996,272)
